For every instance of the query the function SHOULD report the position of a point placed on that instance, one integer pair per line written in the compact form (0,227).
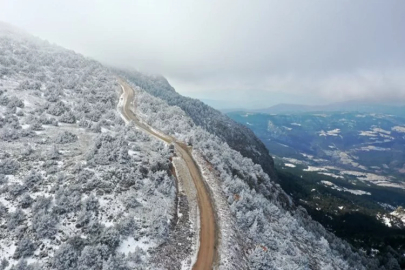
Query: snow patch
(334,132)
(336,187)
(130,244)
(399,129)
(290,165)
(314,169)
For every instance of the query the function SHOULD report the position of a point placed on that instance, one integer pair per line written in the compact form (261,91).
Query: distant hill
(350,106)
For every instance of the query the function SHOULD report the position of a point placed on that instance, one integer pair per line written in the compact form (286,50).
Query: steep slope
(268,234)
(237,136)
(207,239)
(78,188)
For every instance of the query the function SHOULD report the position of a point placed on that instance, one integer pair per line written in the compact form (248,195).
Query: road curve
(207,250)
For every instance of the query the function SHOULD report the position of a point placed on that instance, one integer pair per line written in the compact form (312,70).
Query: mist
(237,53)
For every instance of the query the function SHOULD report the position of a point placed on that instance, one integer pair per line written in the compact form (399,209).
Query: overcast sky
(250,53)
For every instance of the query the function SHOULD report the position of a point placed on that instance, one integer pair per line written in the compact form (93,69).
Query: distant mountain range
(351,106)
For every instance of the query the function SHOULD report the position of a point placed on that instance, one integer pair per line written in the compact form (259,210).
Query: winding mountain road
(207,250)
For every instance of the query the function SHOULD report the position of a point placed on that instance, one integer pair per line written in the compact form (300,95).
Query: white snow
(327,183)
(229,232)
(387,221)
(334,132)
(289,165)
(399,213)
(380,130)
(373,148)
(400,129)
(130,244)
(336,187)
(368,133)
(314,169)
(293,160)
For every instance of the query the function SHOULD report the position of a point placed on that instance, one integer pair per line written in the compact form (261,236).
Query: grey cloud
(301,51)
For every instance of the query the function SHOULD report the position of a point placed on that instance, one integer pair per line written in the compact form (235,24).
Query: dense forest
(348,216)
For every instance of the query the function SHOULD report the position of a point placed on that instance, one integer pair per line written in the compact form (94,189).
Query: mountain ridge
(360,106)
(224,127)
(80,188)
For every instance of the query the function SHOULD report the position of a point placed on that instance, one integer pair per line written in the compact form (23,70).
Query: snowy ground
(353,191)
(394,219)
(183,240)
(96,175)
(187,188)
(230,243)
(337,172)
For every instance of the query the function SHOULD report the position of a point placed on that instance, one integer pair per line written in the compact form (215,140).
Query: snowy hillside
(81,189)
(78,189)
(236,135)
(272,236)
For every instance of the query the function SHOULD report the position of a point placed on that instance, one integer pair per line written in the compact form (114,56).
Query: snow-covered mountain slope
(273,236)
(236,135)
(79,189)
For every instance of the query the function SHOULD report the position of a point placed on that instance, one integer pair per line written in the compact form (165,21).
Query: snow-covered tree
(25,248)
(26,201)
(9,166)
(44,224)
(15,219)
(90,259)
(65,137)
(67,117)
(65,257)
(57,109)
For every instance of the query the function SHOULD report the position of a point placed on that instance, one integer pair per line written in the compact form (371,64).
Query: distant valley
(362,147)
(346,168)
